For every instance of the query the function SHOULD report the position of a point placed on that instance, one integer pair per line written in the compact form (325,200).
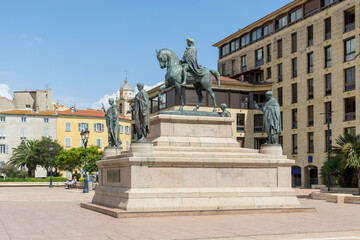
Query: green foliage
(10,170)
(74,158)
(55,179)
(32,153)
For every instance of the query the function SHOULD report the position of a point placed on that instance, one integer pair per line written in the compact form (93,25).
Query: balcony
(258,129)
(240,128)
(349,27)
(350,116)
(259,62)
(349,86)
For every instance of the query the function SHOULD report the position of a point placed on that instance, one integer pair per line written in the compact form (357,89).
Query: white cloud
(104,100)
(5,91)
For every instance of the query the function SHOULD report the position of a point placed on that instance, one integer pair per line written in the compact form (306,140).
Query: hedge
(55,179)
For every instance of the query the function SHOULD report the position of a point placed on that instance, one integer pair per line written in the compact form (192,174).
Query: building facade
(20,125)
(308,50)
(71,122)
(126,94)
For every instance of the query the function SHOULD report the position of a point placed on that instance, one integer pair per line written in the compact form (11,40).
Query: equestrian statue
(186,71)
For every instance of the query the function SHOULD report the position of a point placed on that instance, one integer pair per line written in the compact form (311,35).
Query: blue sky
(82,48)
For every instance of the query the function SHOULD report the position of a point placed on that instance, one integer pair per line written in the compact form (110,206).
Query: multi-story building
(308,50)
(71,122)
(19,125)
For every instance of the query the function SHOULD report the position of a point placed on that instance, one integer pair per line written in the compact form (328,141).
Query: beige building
(308,50)
(126,94)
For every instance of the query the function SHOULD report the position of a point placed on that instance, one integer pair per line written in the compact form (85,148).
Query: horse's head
(161,58)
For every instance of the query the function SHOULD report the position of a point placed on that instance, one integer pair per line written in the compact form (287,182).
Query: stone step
(220,155)
(205,149)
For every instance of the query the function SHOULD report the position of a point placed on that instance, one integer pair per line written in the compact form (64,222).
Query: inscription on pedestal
(113,175)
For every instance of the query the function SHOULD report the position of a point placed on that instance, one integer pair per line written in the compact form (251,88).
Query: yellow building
(71,122)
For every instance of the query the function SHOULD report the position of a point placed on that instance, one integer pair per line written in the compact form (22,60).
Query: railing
(311,123)
(327,36)
(294,125)
(258,128)
(349,86)
(327,92)
(349,56)
(310,95)
(259,62)
(349,27)
(350,116)
(243,68)
(240,128)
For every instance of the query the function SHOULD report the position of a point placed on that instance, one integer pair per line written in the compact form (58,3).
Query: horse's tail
(216,74)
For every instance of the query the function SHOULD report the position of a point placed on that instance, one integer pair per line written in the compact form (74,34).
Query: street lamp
(85,137)
(51,149)
(328,121)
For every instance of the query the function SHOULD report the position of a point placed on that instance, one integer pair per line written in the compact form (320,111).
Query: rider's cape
(191,59)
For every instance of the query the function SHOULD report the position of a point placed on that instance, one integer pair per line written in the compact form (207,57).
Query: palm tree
(24,156)
(348,150)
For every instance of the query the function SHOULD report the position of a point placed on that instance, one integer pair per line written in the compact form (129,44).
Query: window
(268,48)
(243,63)
(83,126)
(327,56)
(280,72)
(23,119)
(280,96)
(294,144)
(121,108)
(46,120)
(350,112)
(67,127)
(350,130)
(258,123)
(127,144)
(2,118)
(294,67)
(293,42)
(326,142)
(67,174)
(225,50)
(4,149)
(259,57)
(294,93)
(328,84)
(349,49)
(310,36)
(268,29)
(350,79)
(245,40)
(46,133)
(280,23)
(224,69)
(268,72)
(296,15)
(310,88)
(68,142)
(256,35)
(235,45)
(294,124)
(127,130)
(121,129)
(99,142)
(27,106)
(349,19)
(327,111)
(260,76)
(325,3)
(240,122)
(310,142)
(328,28)
(98,127)
(233,67)
(279,45)
(162,104)
(310,62)
(23,133)
(310,110)
(2,133)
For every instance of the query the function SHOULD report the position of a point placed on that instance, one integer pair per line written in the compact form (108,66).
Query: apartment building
(308,50)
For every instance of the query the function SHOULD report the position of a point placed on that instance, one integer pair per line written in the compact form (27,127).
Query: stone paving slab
(39,213)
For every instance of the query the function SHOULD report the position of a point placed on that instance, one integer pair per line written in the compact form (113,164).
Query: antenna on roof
(126,72)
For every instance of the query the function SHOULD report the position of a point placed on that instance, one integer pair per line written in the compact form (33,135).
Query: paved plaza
(43,213)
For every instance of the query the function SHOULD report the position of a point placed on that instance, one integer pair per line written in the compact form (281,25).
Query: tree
(43,153)
(348,150)
(9,170)
(25,156)
(74,159)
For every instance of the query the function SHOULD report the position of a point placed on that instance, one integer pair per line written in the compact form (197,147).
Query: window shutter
(94,127)
(79,127)
(6,149)
(102,127)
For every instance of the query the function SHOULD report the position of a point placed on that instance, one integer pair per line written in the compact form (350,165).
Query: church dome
(126,87)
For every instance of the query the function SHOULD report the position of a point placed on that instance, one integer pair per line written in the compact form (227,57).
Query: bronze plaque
(113,175)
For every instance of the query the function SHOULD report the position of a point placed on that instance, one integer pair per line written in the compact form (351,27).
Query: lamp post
(51,149)
(328,116)
(85,138)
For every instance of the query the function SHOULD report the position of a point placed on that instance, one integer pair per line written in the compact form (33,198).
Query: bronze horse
(173,77)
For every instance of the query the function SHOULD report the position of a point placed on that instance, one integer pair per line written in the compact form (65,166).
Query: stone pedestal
(194,163)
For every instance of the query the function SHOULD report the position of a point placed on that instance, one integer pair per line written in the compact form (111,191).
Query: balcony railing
(294,125)
(311,123)
(240,128)
(327,36)
(258,129)
(310,95)
(349,27)
(350,116)
(349,86)
(243,68)
(259,62)
(327,92)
